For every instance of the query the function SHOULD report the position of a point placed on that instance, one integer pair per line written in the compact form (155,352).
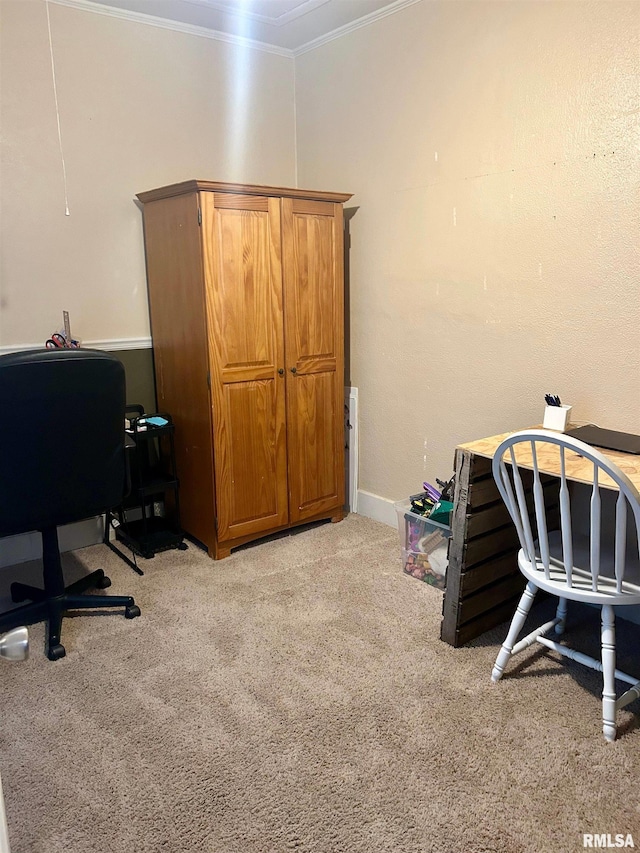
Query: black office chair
(62,459)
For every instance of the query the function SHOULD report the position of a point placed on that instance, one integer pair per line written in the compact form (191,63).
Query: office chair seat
(62,459)
(602,568)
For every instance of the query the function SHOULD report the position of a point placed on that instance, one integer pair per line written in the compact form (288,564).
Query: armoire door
(243,285)
(312,262)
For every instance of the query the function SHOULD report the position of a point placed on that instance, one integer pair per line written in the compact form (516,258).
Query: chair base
(607,665)
(52,603)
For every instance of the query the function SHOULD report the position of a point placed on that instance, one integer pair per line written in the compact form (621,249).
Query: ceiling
(287,24)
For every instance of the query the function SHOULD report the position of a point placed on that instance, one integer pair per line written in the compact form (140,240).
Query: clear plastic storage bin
(424,544)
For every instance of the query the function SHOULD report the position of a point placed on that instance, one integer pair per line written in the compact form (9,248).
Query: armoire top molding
(249,189)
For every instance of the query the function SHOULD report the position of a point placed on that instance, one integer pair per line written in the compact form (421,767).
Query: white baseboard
(28,546)
(377,508)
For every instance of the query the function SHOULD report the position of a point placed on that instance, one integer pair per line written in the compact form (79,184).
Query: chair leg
(51,603)
(608,673)
(26,592)
(95,580)
(522,611)
(93,602)
(28,614)
(561,615)
(55,649)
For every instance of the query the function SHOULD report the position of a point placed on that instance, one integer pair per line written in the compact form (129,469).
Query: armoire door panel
(243,282)
(314,331)
(251,484)
(312,438)
(241,202)
(303,205)
(311,288)
(245,309)
(245,374)
(316,365)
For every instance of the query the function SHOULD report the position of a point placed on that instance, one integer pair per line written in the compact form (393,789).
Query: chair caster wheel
(132,611)
(104,583)
(182,546)
(56,652)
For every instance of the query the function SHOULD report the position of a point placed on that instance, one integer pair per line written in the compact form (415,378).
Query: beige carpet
(296,697)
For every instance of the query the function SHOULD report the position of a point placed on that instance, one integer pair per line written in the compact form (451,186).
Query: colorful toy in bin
(418,566)
(441,512)
(424,526)
(424,544)
(432,504)
(426,554)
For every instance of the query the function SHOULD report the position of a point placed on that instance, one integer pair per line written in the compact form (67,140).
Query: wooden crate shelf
(483,580)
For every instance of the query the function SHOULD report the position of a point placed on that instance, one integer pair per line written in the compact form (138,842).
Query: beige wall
(140,107)
(493,151)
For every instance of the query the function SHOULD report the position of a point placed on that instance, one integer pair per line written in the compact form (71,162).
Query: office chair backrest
(61,437)
(556,452)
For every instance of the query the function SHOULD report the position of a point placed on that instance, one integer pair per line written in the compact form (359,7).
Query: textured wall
(140,107)
(493,151)
(141,387)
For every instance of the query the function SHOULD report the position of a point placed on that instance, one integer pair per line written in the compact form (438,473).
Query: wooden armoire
(246,299)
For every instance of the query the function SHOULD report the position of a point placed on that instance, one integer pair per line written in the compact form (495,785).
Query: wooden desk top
(578,469)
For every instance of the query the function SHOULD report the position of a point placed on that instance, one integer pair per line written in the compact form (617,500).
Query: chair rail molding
(113,345)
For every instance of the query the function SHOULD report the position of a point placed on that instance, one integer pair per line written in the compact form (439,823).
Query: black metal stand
(153,474)
(110,517)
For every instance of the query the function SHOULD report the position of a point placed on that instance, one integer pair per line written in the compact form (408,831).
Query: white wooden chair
(598,568)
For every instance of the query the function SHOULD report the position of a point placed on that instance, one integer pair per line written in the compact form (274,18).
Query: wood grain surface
(314,335)
(579,470)
(483,579)
(243,282)
(178,328)
(246,289)
(243,189)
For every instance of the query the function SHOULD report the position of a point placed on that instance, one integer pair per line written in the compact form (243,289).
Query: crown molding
(119,344)
(355,25)
(240,41)
(113,345)
(299,11)
(177,26)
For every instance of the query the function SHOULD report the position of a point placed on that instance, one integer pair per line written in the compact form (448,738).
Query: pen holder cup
(556,417)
